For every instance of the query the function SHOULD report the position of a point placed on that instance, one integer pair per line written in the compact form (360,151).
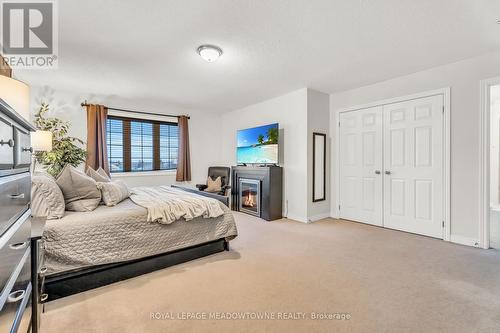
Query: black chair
(224,174)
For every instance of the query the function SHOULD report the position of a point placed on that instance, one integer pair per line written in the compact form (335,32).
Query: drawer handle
(44,297)
(10,143)
(43,270)
(16,296)
(19,246)
(16,196)
(25,149)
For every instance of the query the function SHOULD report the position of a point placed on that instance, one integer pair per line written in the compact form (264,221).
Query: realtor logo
(29,34)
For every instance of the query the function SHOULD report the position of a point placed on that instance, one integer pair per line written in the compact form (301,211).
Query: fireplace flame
(249,202)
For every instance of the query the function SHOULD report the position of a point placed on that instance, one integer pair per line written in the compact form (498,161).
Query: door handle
(26,149)
(377,172)
(388,172)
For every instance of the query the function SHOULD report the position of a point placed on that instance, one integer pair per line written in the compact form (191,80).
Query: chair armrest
(201,187)
(224,189)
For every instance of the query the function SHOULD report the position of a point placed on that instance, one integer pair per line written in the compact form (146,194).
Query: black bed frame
(73,282)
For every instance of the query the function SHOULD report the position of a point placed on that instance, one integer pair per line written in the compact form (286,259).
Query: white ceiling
(146,49)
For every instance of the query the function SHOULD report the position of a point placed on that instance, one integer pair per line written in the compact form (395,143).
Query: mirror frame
(314,162)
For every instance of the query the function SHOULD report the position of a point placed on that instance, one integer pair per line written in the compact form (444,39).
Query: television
(258,145)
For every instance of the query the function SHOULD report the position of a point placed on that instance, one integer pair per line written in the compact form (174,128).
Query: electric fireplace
(249,192)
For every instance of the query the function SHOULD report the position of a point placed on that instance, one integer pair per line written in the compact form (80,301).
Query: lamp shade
(41,141)
(16,94)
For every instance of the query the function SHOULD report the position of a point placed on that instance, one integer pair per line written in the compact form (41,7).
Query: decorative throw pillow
(47,199)
(113,192)
(79,190)
(213,185)
(99,176)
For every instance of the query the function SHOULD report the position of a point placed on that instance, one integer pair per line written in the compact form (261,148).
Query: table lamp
(41,141)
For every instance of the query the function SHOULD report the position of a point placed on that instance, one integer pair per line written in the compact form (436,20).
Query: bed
(85,250)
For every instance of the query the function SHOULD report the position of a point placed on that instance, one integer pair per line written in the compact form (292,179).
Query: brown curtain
(97,150)
(183,160)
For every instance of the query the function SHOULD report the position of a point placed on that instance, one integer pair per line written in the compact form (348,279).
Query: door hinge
(339,123)
(443,108)
(443,224)
(339,207)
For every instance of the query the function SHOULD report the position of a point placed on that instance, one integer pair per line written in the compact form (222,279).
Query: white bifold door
(361,159)
(391,166)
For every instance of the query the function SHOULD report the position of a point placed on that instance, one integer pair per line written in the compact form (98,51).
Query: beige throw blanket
(166,204)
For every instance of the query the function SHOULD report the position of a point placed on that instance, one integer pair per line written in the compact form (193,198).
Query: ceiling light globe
(209,53)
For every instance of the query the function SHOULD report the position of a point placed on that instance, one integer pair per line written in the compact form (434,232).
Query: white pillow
(213,185)
(79,190)
(99,176)
(47,199)
(113,192)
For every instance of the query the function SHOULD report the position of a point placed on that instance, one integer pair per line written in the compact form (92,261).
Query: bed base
(69,283)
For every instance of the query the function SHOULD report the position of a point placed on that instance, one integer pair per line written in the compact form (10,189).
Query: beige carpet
(381,280)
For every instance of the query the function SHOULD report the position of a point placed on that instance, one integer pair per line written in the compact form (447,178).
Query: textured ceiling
(146,49)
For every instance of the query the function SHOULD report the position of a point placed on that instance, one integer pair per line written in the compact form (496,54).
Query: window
(169,143)
(115,144)
(141,145)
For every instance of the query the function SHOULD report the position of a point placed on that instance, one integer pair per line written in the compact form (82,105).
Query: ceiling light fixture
(209,53)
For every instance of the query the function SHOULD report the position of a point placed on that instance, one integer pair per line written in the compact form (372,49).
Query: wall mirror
(319,167)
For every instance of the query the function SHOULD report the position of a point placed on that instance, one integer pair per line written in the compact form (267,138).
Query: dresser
(15,222)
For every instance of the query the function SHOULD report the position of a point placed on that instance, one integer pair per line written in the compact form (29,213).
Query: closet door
(413,166)
(361,165)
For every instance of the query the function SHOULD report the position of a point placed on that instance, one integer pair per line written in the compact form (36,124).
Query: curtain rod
(141,112)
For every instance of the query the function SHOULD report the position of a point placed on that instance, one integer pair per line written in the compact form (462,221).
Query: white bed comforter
(166,204)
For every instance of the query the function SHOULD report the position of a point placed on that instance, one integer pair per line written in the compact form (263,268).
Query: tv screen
(258,145)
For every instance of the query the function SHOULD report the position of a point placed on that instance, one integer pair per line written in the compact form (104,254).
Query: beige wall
(290,111)
(318,120)
(299,114)
(203,129)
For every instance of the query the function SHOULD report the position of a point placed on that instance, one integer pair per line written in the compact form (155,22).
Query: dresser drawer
(15,192)
(22,323)
(6,145)
(22,148)
(14,299)
(13,245)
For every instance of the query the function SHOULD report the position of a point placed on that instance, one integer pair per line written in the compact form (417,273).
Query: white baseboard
(297,218)
(464,240)
(318,217)
(495,244)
